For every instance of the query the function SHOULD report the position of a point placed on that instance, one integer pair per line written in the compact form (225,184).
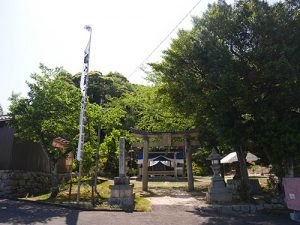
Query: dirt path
(177,197)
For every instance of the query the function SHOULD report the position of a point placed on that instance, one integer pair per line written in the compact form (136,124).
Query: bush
(132,172)
(200,164)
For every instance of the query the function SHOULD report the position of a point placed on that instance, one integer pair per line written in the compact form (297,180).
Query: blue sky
(51,32)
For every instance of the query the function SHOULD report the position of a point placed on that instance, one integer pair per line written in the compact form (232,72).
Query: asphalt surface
(20,212)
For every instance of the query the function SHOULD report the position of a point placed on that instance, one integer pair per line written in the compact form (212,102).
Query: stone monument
(217,190)
(121,192)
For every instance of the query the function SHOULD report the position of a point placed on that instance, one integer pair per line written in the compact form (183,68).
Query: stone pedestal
(121,194)
(217,191)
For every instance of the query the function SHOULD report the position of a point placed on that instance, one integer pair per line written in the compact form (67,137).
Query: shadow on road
(244,219)
(19,212)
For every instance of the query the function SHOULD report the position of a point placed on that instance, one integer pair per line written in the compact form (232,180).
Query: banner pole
(83,87)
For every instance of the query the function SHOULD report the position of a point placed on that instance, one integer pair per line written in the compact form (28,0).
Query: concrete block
(219,197)
(21,182)
(268,206)
(245,208)
(236,207)
(228,210)
(278,206)
(252,208)
(259,207)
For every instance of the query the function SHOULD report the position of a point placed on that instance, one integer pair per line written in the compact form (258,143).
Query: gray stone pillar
(145,163)
(122,171)
(188,157)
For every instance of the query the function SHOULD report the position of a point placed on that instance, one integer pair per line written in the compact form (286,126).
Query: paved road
(19,212)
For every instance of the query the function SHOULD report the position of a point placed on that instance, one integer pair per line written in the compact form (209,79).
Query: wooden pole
(175,165)
(79,181)
(70,188)
(145,163)
(188,156)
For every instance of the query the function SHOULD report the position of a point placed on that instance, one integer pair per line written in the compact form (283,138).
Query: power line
(163,40)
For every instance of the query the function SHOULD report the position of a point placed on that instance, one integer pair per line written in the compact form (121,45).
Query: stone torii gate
(180,139)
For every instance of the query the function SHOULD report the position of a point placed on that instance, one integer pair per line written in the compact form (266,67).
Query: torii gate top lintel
(165,138)
(141,133)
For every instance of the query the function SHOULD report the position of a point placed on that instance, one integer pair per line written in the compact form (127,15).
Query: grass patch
(43,197)
(101,200)
(200,183)
(142,204)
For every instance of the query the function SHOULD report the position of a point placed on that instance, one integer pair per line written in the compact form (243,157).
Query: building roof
(4,118)
(157,155)
(232,157)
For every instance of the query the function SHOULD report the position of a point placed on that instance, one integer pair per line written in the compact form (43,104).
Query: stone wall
(19,183)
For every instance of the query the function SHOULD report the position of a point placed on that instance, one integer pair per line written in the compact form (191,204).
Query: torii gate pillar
(145,163)
(188,157)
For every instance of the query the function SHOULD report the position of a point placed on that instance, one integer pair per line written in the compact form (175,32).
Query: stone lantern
(215,163)
(217,191)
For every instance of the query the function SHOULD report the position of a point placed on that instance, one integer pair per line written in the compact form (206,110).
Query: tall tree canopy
(146,109)
(104,87)
(238,70)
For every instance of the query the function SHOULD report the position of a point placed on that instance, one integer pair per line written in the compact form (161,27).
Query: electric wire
(163,40)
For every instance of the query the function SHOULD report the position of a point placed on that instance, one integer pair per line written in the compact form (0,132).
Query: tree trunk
(289,167)
(54,179)
(244,189)
(189,169)
(267,151)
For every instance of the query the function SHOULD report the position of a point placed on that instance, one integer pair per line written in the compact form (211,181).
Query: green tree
(50,110)
(110,150)
(147,109)
(104,87)
(238,70)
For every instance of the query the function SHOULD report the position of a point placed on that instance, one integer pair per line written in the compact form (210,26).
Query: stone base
(121,180)
(295,216)
(219,197)
(217,191)
(123,196)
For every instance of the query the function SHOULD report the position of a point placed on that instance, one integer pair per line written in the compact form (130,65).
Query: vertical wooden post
(145,163)
(188,157)
(70,188)
(79,181)
(175,165)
